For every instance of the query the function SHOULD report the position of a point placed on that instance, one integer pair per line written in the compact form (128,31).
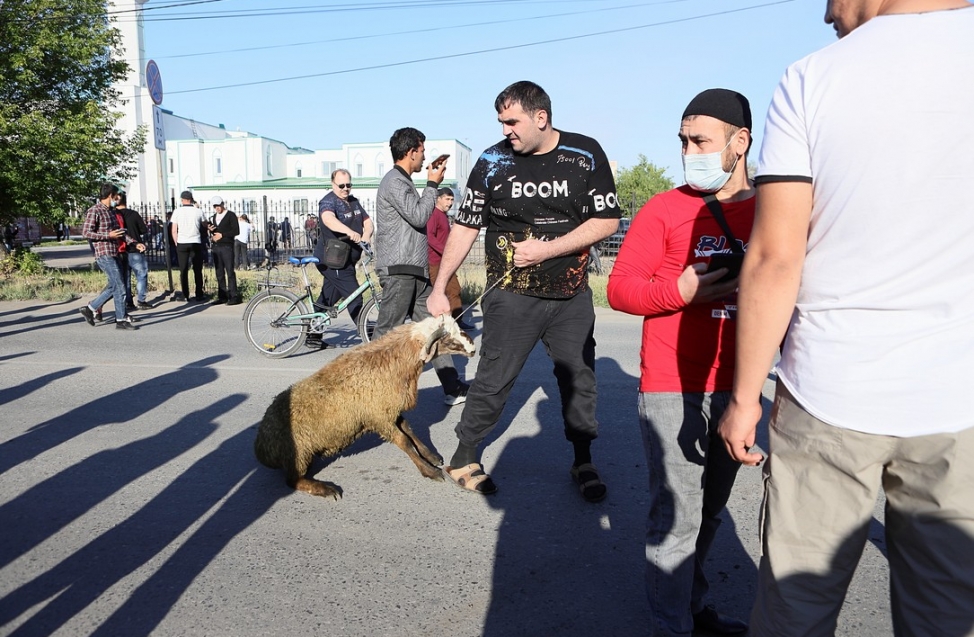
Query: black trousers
(190,254)
(226,278)
(513,325)
(337,285)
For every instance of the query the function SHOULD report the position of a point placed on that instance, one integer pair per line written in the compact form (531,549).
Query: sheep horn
(437,334)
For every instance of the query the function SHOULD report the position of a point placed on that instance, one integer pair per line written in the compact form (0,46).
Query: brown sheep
(365,390)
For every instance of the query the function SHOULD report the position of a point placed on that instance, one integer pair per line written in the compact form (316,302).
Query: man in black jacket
(135,228)
(224,228)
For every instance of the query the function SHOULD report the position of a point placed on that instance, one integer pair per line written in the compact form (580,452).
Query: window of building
(269,159)
(217,163)
(297,169)
(172,166)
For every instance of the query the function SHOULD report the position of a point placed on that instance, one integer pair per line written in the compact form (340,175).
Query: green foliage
(22,261)
(58,136)
(637,185)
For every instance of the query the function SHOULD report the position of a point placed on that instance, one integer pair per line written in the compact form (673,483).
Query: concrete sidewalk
(131,503)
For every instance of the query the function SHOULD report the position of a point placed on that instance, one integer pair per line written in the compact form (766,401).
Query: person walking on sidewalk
(136,229)
(102,229)
(544,196)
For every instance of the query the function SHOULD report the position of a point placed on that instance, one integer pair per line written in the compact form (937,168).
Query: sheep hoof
(319,488)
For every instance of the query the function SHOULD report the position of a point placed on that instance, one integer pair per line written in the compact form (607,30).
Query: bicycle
(277,322)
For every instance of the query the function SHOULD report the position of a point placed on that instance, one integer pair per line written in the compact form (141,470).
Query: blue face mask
(705,173)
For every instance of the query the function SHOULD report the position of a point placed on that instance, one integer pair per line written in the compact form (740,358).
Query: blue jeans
(115,288)
(139,265)
(690,479)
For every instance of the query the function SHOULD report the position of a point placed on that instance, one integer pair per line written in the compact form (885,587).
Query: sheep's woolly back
(362,390)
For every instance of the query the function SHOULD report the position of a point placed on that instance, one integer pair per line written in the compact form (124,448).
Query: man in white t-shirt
(863,210)
(187,221)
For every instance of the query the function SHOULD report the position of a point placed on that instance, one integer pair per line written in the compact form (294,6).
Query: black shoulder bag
(733,260)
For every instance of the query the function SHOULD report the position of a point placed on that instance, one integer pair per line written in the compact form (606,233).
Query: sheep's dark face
(443,336)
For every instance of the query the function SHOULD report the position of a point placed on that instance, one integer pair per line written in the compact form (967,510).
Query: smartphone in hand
(730,260)
(438,161)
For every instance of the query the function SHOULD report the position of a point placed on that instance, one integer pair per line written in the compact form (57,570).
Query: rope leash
(489,288)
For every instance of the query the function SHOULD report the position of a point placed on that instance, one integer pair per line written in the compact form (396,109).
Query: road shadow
(220,479)
(117,407)
(564,566)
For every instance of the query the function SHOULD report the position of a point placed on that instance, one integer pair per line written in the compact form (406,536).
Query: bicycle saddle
(302,260)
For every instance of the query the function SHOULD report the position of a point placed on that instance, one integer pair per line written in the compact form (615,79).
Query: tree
(58,138)
(635,186)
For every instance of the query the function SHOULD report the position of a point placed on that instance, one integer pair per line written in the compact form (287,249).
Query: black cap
(723,104)
(187,195)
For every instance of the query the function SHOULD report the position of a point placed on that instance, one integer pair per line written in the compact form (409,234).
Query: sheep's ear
(430,346)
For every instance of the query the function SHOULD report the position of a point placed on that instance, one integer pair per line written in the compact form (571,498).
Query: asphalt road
(131,503)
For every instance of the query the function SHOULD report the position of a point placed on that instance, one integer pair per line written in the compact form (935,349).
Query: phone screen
(730,260)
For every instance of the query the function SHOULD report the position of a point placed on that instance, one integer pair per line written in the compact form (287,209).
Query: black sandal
(586,476)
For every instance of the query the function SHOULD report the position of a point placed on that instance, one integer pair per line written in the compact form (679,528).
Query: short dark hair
(529,95)
(335,172)
(123,200)
(403,141)
(445,192)
(106,191)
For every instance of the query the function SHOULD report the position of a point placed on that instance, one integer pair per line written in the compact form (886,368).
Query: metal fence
(293,238)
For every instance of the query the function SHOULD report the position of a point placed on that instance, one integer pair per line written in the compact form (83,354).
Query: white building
(241,166)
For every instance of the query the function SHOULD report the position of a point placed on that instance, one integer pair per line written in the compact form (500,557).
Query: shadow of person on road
(118,407)
(564,566)
(219,479)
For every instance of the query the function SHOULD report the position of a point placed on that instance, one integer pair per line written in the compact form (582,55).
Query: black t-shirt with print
(541,197)
(348,211)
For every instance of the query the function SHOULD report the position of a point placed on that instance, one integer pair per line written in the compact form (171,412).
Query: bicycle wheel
(268,327)
(368,317)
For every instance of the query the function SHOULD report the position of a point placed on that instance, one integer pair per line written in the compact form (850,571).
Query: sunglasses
(344,186)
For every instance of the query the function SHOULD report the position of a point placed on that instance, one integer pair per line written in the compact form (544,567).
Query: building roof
(303,183)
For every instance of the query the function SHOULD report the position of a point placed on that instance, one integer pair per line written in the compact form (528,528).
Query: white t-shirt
(882,124)
(187,220)
(244,235)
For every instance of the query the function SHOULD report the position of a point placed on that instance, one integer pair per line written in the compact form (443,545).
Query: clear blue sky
(620,71)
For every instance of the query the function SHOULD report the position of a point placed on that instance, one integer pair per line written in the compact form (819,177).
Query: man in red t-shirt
(687,354)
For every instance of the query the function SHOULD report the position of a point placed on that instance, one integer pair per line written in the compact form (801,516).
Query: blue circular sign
(153,79)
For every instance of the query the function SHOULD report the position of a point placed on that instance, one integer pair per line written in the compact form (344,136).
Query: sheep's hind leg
(425,460)
(299,481)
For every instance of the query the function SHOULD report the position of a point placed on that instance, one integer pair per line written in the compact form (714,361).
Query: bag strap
(715,209)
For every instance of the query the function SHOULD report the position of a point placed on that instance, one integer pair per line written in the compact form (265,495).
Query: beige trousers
(821,485)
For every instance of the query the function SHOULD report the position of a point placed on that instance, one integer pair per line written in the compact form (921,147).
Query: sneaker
(130,308)
(127,324)
(178,296)
(88,314)
(458,397)
(130,319)
(219,301)
(234,301)
(142,305)
(98,316)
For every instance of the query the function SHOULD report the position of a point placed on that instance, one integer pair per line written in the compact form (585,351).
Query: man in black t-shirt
(544,196)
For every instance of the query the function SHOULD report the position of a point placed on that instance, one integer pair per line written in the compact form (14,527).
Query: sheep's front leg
(425,460)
